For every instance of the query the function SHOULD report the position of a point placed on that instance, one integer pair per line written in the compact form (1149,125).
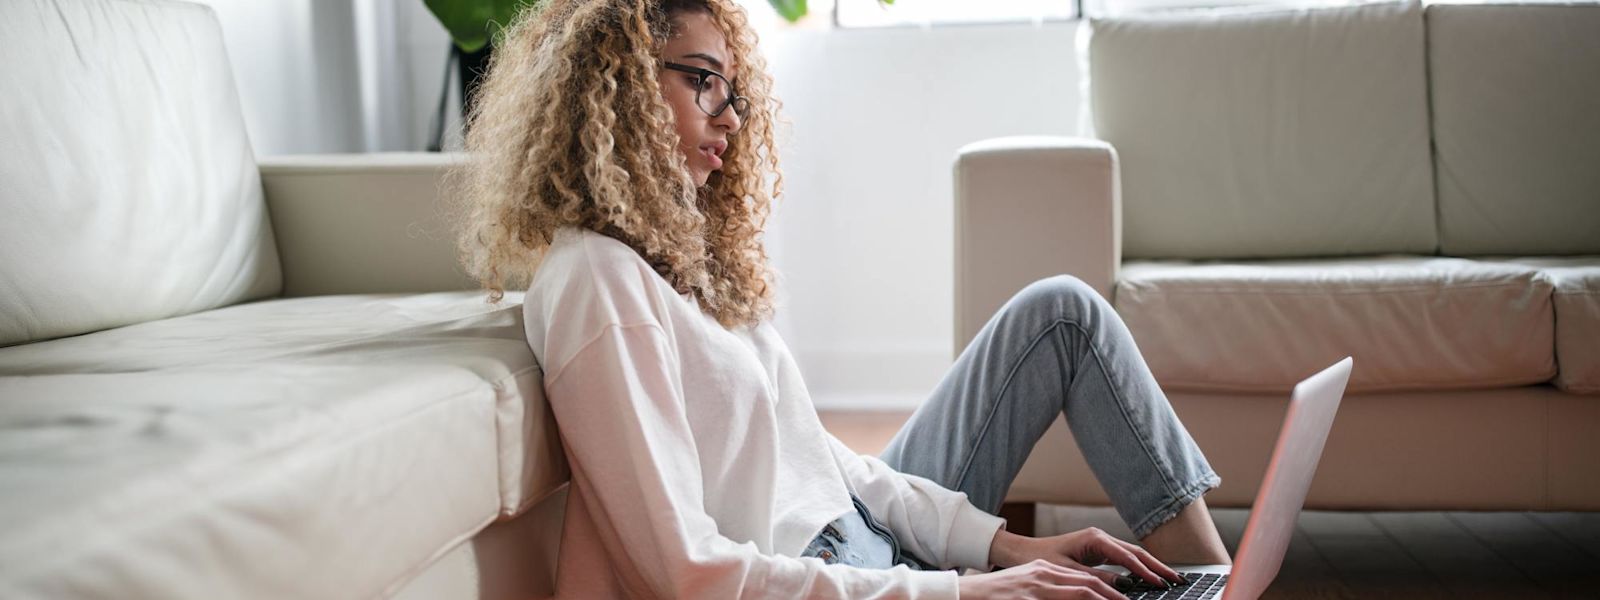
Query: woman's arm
(934,523)
(941,525)
(619,405)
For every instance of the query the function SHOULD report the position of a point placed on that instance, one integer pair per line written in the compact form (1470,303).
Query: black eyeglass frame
(740,104)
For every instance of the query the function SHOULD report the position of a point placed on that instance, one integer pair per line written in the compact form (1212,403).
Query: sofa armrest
(362,223)
(1027,208)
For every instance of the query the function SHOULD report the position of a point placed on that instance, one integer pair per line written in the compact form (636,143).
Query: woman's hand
(1082,551)
(1036,580)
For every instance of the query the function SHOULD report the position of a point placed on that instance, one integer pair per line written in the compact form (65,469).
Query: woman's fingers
(1117,552)
(1150,562)
(1107,577)
(1089,581)
(1102,589)
(1039,579)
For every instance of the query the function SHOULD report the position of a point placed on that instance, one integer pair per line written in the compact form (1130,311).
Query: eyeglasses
(712,92)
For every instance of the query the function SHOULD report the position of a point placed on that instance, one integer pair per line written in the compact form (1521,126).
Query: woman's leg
(1058,346)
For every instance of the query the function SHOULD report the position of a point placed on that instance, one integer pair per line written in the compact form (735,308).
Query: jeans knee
(1061,293)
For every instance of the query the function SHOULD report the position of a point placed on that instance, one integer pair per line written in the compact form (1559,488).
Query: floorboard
(1580,529)
(1555,565)
(1460,564)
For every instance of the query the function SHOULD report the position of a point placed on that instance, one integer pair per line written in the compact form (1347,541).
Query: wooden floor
(1370,555)
(1411,554)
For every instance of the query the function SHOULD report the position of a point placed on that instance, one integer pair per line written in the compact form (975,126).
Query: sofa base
(511,559)
(1527,448)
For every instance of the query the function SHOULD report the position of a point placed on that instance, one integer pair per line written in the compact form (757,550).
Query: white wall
(864,235)
(863,238)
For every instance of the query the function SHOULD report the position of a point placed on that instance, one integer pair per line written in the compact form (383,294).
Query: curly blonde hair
(570,129)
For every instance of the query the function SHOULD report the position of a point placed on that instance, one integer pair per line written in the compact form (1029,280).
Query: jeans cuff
(1166,512)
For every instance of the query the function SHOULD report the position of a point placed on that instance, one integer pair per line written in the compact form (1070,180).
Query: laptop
(1278,502)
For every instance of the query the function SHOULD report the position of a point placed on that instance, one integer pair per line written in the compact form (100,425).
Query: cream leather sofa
(224,378)
(1269,191)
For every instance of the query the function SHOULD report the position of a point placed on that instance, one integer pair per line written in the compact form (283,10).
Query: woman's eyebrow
(716,65)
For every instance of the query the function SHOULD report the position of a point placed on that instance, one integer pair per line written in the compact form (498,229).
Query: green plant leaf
(471,23)
(790,10)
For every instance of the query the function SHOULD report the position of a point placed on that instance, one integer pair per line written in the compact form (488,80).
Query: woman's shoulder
(585,259)
(587,281)
(578,241)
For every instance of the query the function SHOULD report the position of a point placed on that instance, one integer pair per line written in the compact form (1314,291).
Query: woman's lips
(712,158)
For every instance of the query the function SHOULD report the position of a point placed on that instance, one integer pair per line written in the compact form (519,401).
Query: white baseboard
(883,402)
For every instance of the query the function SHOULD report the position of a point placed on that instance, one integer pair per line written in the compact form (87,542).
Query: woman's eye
(699,83)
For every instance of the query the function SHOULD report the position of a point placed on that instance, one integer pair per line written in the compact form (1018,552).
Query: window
(1109,8)
(869,13)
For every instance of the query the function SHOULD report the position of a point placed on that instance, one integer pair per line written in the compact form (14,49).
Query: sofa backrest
(1516,127)
(1268,133)
(128,187)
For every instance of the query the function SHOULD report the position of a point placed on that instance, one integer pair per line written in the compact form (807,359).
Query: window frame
(837,24)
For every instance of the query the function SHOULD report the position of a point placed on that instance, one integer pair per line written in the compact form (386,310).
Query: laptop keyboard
(1200,586)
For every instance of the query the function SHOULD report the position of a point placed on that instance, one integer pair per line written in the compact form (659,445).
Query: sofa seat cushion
(1412,323)
(278,480)
(421,332)
(1577,304)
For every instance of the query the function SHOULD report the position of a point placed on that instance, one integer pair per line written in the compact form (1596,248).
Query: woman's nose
(728,121)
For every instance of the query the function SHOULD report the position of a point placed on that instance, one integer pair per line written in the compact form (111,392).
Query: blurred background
(877,98)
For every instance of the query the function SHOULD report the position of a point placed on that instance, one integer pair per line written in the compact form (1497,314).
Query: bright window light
(870,13)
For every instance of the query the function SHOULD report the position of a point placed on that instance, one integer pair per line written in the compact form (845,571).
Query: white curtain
(327,76)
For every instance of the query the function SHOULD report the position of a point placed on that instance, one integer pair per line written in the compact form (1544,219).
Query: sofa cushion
(447,329)
(1514,92)
(1576,280)
(1412,323)
(275,480)
(1268,133)
(127,174)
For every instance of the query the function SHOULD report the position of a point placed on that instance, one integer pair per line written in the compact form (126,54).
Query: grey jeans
(1055,347)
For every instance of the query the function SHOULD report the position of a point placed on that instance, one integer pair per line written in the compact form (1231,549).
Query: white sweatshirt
(699,467)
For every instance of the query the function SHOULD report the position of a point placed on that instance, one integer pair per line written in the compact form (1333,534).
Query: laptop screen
(1283,489)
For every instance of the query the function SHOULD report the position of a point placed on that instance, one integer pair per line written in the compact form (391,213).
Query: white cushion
(1412,323)
(457,329)
(276,480)
(1577,304)
(1268,133)
(129,189)
(1515,93)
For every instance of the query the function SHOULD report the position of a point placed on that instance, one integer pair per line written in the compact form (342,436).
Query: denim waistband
(859,540)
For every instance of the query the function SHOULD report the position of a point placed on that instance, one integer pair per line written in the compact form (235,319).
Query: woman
(622,162)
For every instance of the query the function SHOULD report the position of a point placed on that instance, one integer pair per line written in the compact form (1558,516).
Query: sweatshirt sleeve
(936,524)
(620,408)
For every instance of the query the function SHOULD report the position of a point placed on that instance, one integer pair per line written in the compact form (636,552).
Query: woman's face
(697,43)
